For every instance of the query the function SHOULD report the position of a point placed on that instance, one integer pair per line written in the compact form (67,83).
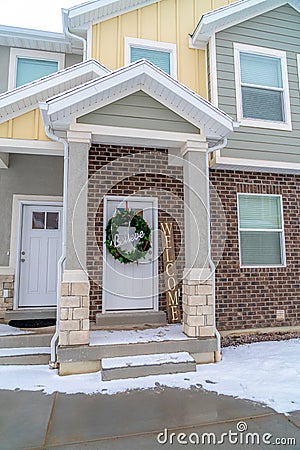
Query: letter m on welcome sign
(171,281)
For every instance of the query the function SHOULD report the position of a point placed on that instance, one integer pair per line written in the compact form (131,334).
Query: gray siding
(72,59)
(278,29)
(141,111)
(4,62)
(208,72)
(27,174)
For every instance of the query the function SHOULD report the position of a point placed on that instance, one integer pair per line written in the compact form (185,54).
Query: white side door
(131,286)
(40,250)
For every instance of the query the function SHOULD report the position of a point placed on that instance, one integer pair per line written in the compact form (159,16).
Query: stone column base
(198,303)
(6,294)
(74,313)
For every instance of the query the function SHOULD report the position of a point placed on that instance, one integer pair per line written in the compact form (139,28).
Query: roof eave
(214,21)
(142,75)
(81,17)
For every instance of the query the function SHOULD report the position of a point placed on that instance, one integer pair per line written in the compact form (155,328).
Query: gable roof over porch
(62,110)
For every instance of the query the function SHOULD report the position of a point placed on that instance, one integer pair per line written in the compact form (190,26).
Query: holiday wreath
(127,218)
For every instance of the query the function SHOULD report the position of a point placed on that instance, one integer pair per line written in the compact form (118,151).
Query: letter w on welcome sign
(173,310)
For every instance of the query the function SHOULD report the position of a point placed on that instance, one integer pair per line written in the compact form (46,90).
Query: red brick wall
(127,171)
(249,298)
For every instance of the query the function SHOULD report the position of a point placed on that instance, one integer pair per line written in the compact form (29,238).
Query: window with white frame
(162,54)
(262,91)
(261,232)
(29,65)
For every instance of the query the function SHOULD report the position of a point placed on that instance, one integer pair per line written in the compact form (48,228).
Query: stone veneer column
(74,309)
(74,302)
(6,294)
(198,304)
(198,295)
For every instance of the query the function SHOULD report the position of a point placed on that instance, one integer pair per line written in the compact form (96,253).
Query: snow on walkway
(265,372)
(7,330)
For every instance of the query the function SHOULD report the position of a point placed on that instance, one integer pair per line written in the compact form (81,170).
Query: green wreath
(130,219)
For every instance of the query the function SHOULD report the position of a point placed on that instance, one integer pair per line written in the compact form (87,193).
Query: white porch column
(74,303)
(198,309)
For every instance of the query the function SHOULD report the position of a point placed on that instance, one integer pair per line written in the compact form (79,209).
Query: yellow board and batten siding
(167,21)
(26,126)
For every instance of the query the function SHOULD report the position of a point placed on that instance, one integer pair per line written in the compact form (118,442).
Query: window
(29,65)
(45,220)
(262,92)
(261,234)
(162,54)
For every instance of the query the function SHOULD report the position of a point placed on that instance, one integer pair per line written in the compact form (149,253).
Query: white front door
(131,286)
(40,250)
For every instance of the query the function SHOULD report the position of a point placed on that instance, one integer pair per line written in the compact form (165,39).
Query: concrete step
(25,340)
(33,313)
(24,356)
(145,365)
(130,319)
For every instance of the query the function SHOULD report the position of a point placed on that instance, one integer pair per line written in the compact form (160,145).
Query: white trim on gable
(233,14)
(26,98)
(151,45)
(287,123)
(80,17)
(142,75)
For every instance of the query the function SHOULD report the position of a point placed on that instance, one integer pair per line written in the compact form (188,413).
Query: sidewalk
(132,421)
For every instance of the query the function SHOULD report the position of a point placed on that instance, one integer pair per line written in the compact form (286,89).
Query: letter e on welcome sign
(171,281)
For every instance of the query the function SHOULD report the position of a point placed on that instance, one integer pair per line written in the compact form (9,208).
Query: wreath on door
(139,240)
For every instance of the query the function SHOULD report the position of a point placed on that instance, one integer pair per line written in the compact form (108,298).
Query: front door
(40,250)
(131,286)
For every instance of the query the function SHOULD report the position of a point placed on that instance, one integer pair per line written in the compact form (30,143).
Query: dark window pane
(263,104)
(38,220)
(260,248)
(52,220)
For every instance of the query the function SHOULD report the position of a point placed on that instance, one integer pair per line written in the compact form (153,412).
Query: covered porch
(157,142)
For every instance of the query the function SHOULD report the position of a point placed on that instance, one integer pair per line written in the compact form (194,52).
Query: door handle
(22,259)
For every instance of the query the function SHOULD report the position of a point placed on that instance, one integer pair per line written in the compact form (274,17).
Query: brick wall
(249,298)
(124,171)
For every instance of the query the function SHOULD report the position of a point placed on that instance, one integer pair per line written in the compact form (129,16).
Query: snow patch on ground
(24,351)
(265,372)
(111,337)
(6,330)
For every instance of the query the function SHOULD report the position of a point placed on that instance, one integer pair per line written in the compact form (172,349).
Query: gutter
(67,32)
(210,261)
(53,364)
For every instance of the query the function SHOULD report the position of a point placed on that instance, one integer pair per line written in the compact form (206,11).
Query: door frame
(19,236)
(154,202)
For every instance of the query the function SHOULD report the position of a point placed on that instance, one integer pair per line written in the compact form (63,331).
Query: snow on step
(161,334)
(144,365)
(24,351)
(24,356)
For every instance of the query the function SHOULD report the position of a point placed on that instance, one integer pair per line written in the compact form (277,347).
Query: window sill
(278,266)
(285,126)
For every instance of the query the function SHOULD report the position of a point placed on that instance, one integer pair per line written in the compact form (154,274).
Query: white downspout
(67,32)
(210,261)
(60,264)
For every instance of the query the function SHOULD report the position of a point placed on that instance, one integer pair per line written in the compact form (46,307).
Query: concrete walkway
(132,421)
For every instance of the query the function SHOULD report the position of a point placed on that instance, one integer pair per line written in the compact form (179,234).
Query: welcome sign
(170,271)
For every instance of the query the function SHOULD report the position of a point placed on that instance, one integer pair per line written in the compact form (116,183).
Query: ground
(83,412)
